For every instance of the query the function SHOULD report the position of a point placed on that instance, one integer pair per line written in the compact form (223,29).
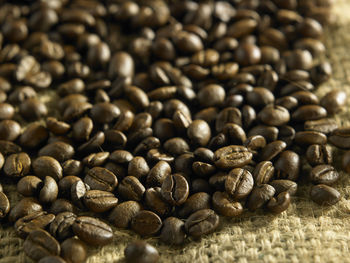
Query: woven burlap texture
(306,232)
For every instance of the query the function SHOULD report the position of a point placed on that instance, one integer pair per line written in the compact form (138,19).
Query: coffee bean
(175,189)
(305,138)
(324,195)
(232,156)
(17,165)
(99,178)
(280,203)
(340,138)
(263,172)
(234,133)
(271,150)
(270,133)
(6,111)
(247,54)
(202,222)
(146,223)
(33,136)
(49,191)
(287,166)
(333,101)
(199,132)
(324,125)
(32,109)
(274,115)
(31,222)
(255,143)
(52,259)
(138,167)
(158,173)
(92,231)
(73,250)
(4,205)
(155,202)
(286,134)
(57,127)
(228,115)
(47,166)
(61,205)
(82,129)
(123,213)
(239,183)
(173,231)
(284,185)
(142,252)
(225,206)
(7,147)
(195,202)
(40,244)
(324,174)
(319,154)
(61,226)
(260,97)
(104,112)
(60,151)
(260,195)
(99,201)
(309,113)
(9,130)
(96,159)
(77,192)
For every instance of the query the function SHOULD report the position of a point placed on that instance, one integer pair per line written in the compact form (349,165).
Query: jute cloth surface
(306,232)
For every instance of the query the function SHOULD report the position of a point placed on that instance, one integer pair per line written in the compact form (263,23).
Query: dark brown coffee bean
(141,252)
(274,115)
(202,222)
(65,184)
(227,115)
(280,203)
(93,144)
(176,146)
(146,223)
(77,192)
(247,54)
(284,185)
(40,244)
(319,154)
(121,157)
(175,189)
(104,112)
(263,172)
(99,178)
(9,130)
(194,203)
(158,173)
(74,111)
(17,165)
(271,150)
(255,143)
(260,97)
(225,206)
(121,65)
(130,188)
(340,137)
(96,159)
(73,250)
(99,201)
(204,155)
(60,151)
(47,166)
(287,102)
(232,156)
(260,195)
(305,138)
(138,167)
(324,195)
(57,127)
(287,166)
(6,111)
(82,129)
(34,135)
(214,91)
(324,174)
(71,87)
(4,205)
(309,113)
(188,42)
(234,133)
(287,134)
(24,207)
(155,155)
(155,202)
(72,167)
(116,138)
(92,231)
(123,213)
(173,231)
(2,160)
(199,132)
(203,169)
(239,183)
(305,97)
(31,222)
(49,191)
(52,259)
(345,161)
(325,125)
(19,95)
(7,148)
(32,109)
(61,205)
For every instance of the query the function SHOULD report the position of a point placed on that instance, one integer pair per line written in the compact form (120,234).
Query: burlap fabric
(306,232)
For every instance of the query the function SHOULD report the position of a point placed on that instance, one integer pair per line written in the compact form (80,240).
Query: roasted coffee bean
(47,166)
(324,125)
(175,189)
(99,178)
(57,127)
(271,150)
(99,201)
(52,259)
(202,222)
(287,166)
(7,147)
(141,252)
(255,143)
(234,133)
(130,188)
(61,205)
(123,213)
(324,195)
(333,101)
(40,244)
(346,161)
(116,138)
(340,138)
(72,167)
(225,206)
(33,136)
(199,132)
(216,92)
(263,172)
(146,223)
(96,159)
(2,161)
(9,130)
(260,97)
(60,151)
(274,115)
(32,109)
(121,157)
(260,195)
(173,231)
(324,174)
(82,129)
(17,165)
(61,227)
(284,185)
(6,111)
(92,231)
(239,183)
(73,250)
(77,192)
(270,133)
(203,169)
(232,156)
(319,154)
(49,191)
(158,173)
(194,203)
(304,138)
(93,144)
(138,167)
(309,113)
(204,154)
(104,112)
(155,202)
(31,222)
(4,205)
(247,54)
(66,183)
(280,203)
(287,134)
(176,146)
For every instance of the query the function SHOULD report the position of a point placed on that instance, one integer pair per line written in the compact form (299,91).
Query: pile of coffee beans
(160,116)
